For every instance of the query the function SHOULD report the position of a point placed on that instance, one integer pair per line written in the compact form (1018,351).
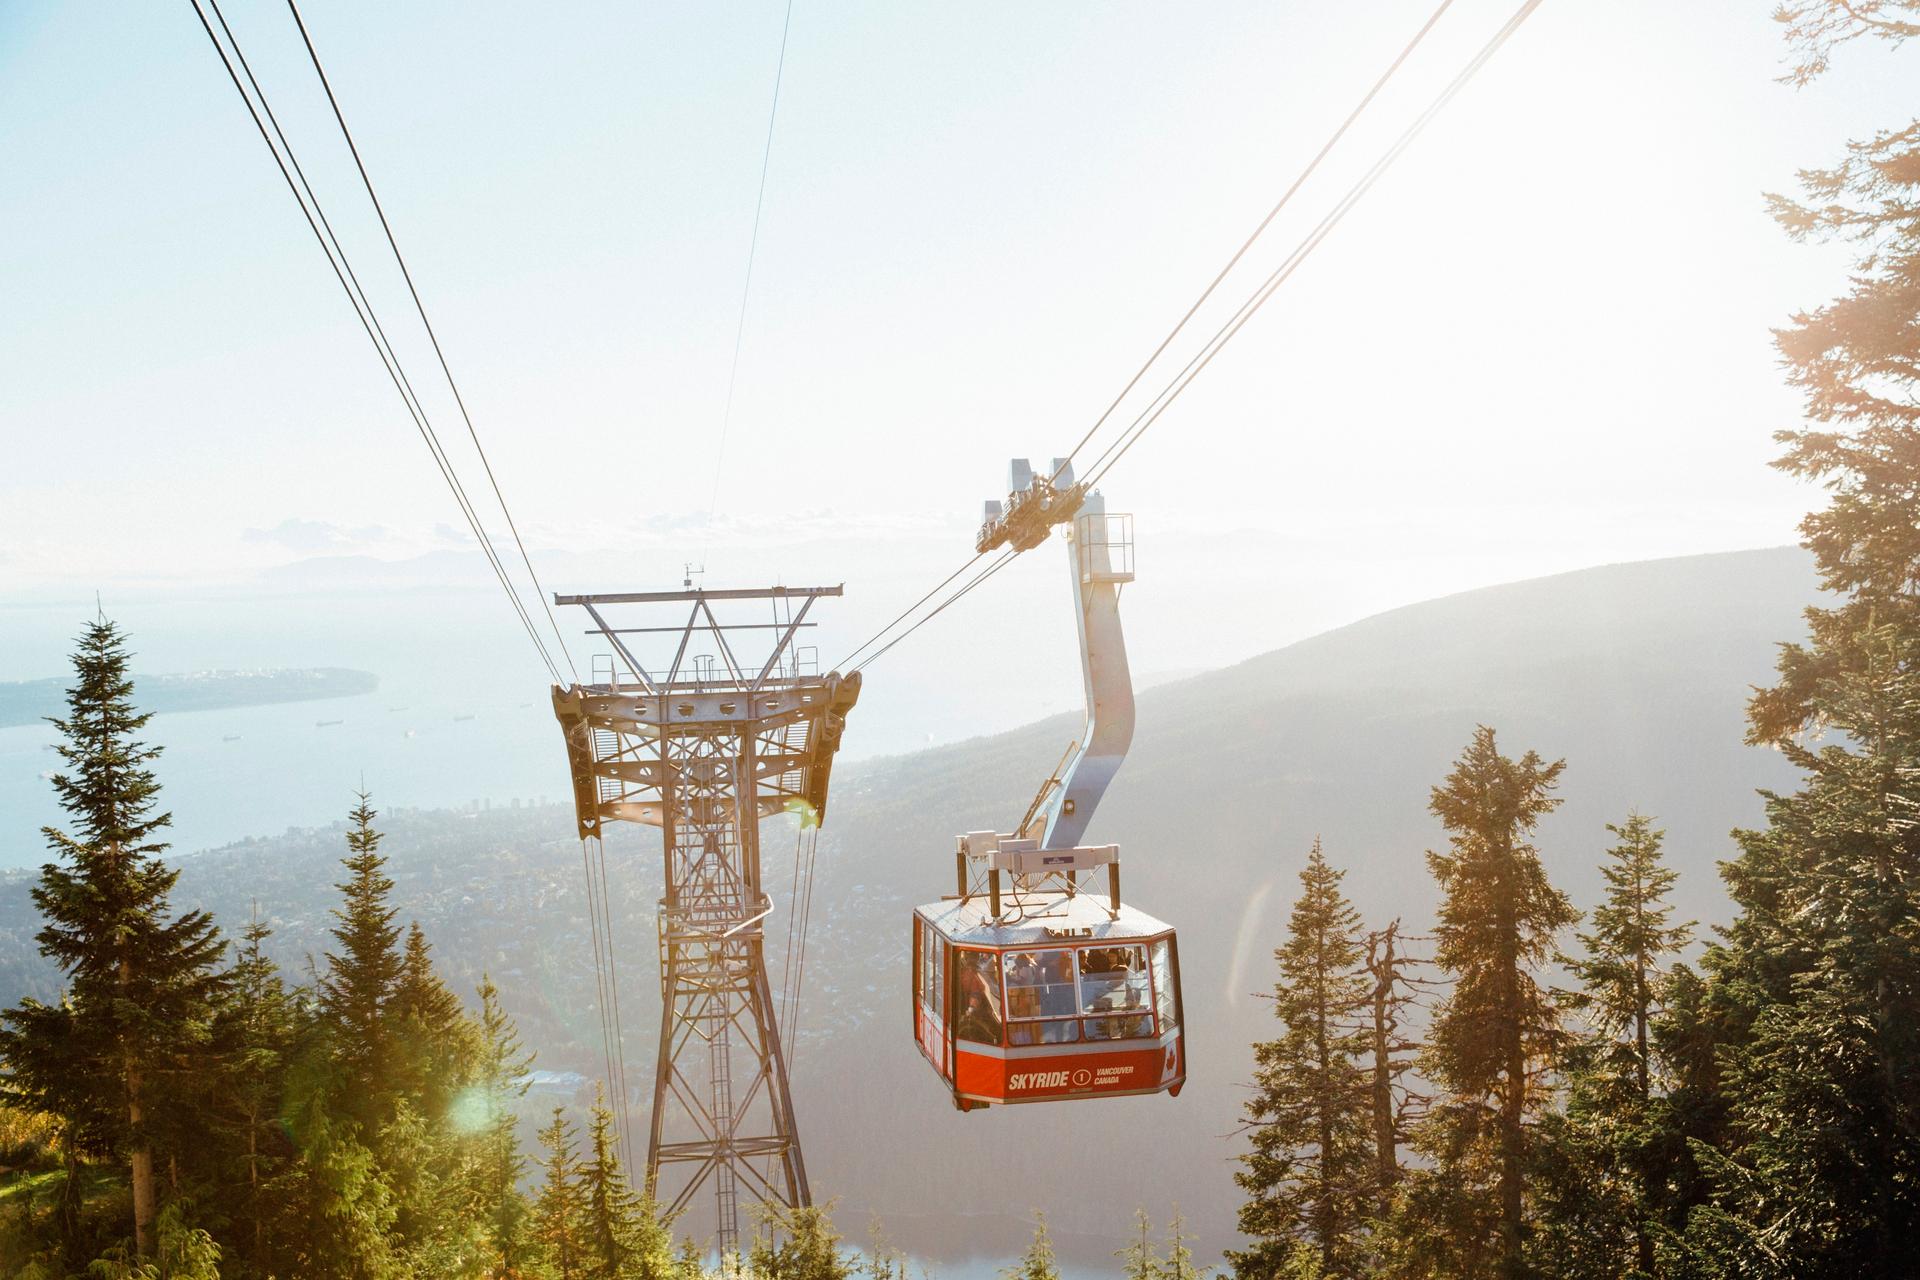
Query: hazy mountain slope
(1637,674)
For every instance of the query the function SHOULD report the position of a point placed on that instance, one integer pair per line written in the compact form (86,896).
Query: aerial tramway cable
(316,219)
(746,288)
(623,1105)
(1005,558)
(1264,223)
(1280,274)
(1199,361)
(420,307)
(605,971)
(602,1004)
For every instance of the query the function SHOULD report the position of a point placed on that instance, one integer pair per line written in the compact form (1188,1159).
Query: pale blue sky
(1541,343)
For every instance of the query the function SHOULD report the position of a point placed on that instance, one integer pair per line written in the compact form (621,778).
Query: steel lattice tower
(704,747)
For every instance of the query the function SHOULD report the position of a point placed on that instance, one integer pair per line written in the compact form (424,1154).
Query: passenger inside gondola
(1040,998)
(977,973)
(978,1022)
(1113,981)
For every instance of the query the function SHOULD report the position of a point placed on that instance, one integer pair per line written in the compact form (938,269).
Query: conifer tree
(361,977)
(258,1033)
(1037,1263)
(141,980)
(500,1079)
(1601,1181)
(1311,1173)
(432,1038)
(1178,1263)
(1627,952)
(1138,1261)
(1812,1003)
(797,1244)
(1498,1029)
(624,1234)
(560,1210)
(438,1228)
(883,1261)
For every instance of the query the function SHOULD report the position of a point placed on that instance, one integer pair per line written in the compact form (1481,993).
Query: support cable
(1118,448)
(1006,558)
(909,609)
(1280,274)
(800,967)
(600,1003)
(1313,164)
(1206,293)
(342,268)
(793,926)
(613,986)
(746,289)
(420,307)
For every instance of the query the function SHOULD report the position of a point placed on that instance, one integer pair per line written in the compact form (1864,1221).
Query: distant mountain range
(1637,674)
(30,701)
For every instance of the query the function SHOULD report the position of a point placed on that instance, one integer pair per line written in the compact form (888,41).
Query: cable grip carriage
(1031,984)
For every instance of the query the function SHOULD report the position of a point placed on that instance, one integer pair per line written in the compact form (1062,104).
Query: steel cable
(1151,414)
(1282,273)
(342,268)
(1313,164)
(458,399)
(746,288)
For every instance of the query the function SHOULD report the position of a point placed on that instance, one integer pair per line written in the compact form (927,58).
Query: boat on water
(231,737)
(458,719)
(327,724)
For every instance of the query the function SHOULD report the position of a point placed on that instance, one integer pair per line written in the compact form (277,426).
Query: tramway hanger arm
(1099,560)
(1095,542)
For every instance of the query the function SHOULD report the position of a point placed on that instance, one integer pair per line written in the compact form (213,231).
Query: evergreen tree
(1311,1173)
(500,1079)
(335,1203)
(883,1261)
(1498,1029)
(624,1234)
(437,1227)
(1601,1179)
(431,1035)
(797,1244)
(362,976)
(1622,973)
(141,981)
(1811,1007)
(1138,1261)
(560,1210)
(1178,1264)
(1037,1262)
(257,1031)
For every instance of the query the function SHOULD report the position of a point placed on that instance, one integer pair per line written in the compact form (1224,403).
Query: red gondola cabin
(1071,1001)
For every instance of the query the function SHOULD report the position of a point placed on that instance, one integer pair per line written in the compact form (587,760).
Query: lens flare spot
(471,1110)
